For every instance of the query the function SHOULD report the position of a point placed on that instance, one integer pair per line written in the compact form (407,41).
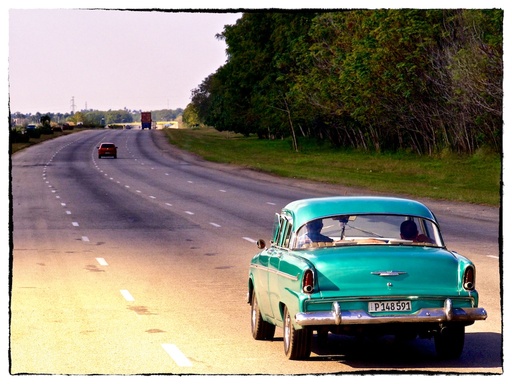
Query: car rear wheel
(261,330)
(297,342)
(449,342)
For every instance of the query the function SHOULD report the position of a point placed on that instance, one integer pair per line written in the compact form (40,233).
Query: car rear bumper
(426,315)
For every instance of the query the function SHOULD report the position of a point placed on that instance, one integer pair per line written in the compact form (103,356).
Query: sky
(63,60)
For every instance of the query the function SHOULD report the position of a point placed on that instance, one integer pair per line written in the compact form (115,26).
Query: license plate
(389,306)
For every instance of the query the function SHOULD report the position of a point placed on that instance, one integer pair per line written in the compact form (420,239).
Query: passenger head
(408,230)
(315,225)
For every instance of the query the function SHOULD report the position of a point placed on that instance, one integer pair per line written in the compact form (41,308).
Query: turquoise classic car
(360,266)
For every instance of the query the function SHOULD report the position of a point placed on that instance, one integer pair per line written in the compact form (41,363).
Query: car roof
(302,211)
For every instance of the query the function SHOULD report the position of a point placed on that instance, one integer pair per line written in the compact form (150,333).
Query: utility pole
(73,105)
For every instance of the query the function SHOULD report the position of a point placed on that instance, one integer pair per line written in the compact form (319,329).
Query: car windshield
(367,229)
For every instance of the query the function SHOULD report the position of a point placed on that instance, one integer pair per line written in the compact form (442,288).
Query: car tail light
(308,281)
(469,278)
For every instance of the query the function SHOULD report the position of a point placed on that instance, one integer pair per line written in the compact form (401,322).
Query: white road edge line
(178,356)
(127,296)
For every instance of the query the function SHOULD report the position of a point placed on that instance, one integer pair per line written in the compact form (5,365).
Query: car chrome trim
(276,272)
(389,273)
(426,315)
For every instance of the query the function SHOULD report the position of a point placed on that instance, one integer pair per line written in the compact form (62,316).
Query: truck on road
(145,120)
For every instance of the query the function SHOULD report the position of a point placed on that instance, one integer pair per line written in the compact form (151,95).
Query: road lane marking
(269,203)
(178,356)
(75,224)
(215,225)
(152,197)
(249,239)
(222,190)
(85,238)
(68,212)
(63,204)
(127,296)
(493,257)
(169,204)
(101,261)
(189,213)
(190,182)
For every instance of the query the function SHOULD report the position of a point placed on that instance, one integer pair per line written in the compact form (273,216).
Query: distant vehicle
(360,266)
(31,126)
(107,149)
(145,120)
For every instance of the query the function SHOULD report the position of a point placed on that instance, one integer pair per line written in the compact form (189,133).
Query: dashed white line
(101,261)
(75,224)
(85,238)
(215,225)
(63,204)
(127,295)
(152,197)
(68,212)
(269,203)
(178,356)
(222,190)
(189,213)
(169,204)
(249,239)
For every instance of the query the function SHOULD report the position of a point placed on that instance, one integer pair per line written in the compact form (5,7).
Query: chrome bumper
(426,315)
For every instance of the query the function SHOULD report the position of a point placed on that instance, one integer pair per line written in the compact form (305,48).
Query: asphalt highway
(138,266)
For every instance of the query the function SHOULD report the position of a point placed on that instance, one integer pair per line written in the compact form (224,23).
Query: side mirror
(261,244)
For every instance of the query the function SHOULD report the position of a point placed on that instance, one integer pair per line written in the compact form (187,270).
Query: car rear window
(107,146)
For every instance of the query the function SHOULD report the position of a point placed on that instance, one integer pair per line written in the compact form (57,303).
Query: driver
(409,231)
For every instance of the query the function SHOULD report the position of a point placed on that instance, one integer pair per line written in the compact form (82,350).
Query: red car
(107,149)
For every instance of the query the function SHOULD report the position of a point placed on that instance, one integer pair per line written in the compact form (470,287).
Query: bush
(34,133)
(19,136)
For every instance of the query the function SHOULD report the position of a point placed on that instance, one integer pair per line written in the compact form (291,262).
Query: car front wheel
(449,342)
(261,330)
(297,342)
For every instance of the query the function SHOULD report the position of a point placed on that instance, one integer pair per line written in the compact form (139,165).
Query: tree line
(96,118)
(422,81)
